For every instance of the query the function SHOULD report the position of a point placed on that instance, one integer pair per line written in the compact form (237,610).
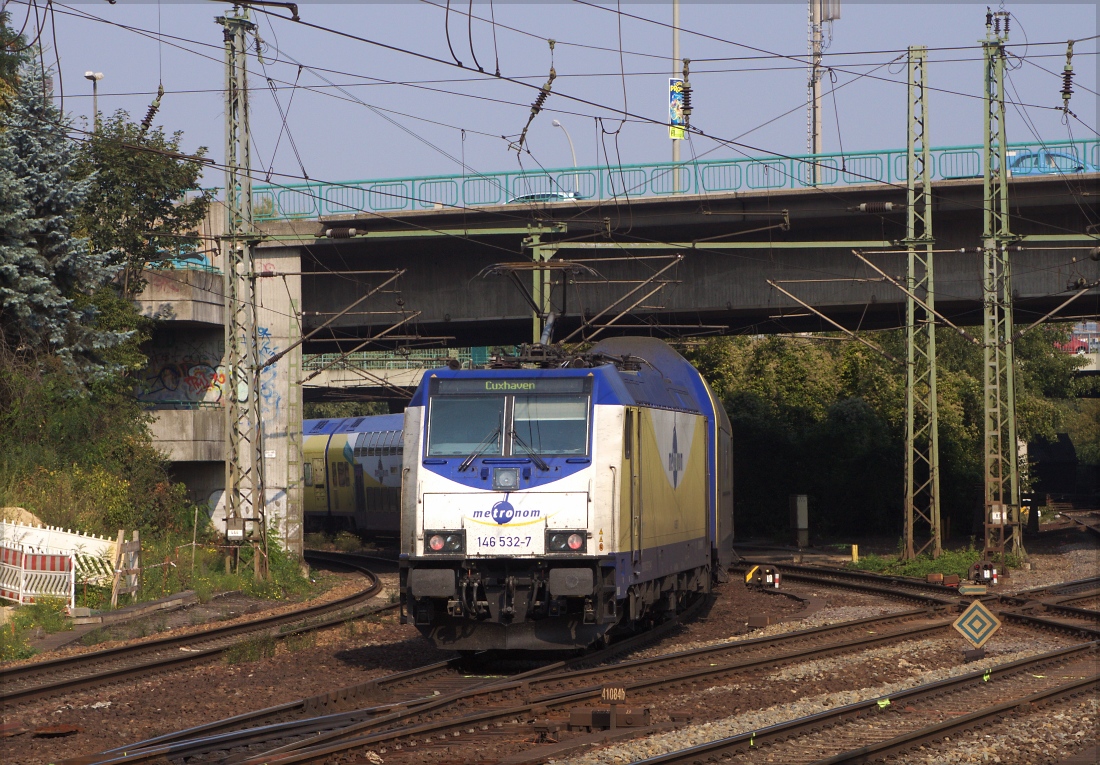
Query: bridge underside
(447,299)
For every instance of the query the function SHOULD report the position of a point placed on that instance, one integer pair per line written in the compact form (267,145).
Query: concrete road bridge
(745,260)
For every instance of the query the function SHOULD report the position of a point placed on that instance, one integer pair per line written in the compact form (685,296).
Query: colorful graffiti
(270,398)
(184,372)
(184,382)
(191,373)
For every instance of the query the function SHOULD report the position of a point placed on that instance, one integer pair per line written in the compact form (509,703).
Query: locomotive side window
(552,424)
(461,425)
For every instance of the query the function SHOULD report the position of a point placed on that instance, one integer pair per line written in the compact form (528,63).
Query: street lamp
(576,179)
(95,77)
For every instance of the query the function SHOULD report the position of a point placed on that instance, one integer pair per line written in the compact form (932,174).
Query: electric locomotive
(551,507)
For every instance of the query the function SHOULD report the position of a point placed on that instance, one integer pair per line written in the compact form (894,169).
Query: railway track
(432,708)
(64,675)
(486,708)
(885,726)
(894,587)
(1054,607)
(1087,519)
(395,694)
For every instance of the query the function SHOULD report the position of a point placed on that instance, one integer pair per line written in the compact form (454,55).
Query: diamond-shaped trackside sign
(977,624)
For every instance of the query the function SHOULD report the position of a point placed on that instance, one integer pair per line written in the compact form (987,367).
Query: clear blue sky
(339,138)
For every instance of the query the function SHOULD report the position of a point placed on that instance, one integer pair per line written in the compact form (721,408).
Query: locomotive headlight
(505,479)
(444,542)
(566,541)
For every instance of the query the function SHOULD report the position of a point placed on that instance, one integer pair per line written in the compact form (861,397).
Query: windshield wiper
(539,462)
(479,449)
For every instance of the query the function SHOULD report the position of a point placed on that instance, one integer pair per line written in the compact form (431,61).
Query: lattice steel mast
(1002,484)
(244,459)
(922,448)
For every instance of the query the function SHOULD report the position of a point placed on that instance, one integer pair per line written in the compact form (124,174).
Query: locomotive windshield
(463,425)
(498,417)
(552,424)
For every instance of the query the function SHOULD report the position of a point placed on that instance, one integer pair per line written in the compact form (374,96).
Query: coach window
(551,424)
(466,424)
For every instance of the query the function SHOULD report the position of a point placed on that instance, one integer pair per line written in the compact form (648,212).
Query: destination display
(467,386)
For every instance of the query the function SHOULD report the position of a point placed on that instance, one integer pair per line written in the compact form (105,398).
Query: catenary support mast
(1002,482)
(922,470)
(244,459)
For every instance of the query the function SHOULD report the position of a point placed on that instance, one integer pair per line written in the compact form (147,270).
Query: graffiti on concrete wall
(188,371)
(271,400)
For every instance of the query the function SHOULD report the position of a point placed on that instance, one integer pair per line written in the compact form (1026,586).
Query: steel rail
(265,724)
(327,744)
(934,595)
(1062,588)
(715,750)
(906,741)
(1054,624)
(95,675)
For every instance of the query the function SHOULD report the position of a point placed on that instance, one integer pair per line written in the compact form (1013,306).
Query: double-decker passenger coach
(549,506)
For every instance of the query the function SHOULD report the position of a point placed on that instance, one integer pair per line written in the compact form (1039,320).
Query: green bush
(49,614)
(950,562)
(346,541)
(13,642)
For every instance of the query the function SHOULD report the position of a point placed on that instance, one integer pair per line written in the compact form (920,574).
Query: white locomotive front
(522,497)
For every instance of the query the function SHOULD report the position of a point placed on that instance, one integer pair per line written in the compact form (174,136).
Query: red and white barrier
(25,576)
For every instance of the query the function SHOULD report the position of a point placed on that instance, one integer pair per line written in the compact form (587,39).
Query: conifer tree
(46,273)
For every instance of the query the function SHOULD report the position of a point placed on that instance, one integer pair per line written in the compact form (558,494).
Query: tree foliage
(46,273)
(11,45)
(137,203)
(76,447)
(825,416)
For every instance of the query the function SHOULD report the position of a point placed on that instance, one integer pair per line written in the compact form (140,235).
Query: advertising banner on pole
(676,108)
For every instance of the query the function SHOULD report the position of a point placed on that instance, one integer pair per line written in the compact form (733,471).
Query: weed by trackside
(253,649)
(950,562)
(300,641)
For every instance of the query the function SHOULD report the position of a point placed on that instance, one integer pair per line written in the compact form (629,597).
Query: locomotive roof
(655,375)
(664,376)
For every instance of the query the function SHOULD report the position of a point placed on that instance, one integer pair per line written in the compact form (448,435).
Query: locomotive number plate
(503,542)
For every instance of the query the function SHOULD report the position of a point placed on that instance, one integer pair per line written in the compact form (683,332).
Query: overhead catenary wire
(717,139)
(510,79)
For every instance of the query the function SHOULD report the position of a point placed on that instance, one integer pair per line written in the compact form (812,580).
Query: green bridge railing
(417,358)
(312,200)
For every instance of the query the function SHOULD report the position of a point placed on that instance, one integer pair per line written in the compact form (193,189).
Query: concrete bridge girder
(724,287)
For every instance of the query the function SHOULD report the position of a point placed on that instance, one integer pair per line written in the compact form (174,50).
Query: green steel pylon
(244,458)
(1002,483)
(922,447)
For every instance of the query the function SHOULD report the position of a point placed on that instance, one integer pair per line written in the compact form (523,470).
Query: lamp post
(576,179)
(95,77)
